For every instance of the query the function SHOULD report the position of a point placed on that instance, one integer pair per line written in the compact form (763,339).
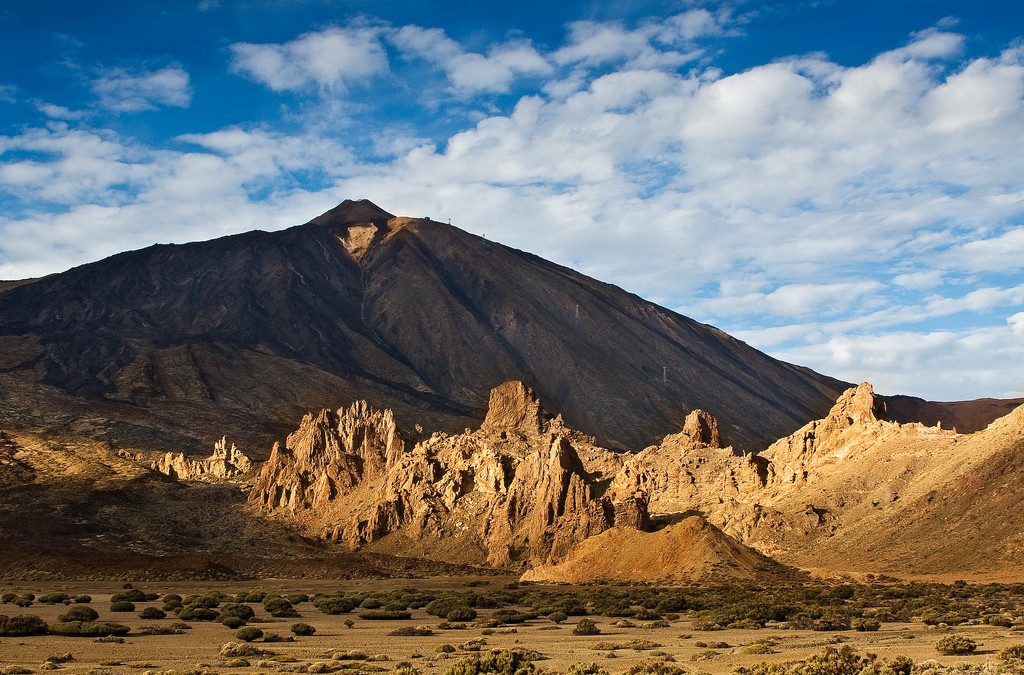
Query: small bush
(384,615)
(232,622)
(499,662)
(302,629)
(131,595)
(238,610)
(956,645)
(866,624)
(83,599)
(411,631)
(279,607)
(558,617)
(173,598)
(8,598)
(463,613)
(17,626)
(24,600)
(193,613)
(248,634)
(122,606)
(54,598)
(88,629)
(1012,653)
(370,603)
(586,627)
(297,598)
(79,613)
(334,605)
(152,613)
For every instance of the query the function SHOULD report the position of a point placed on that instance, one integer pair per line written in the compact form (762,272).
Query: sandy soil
(199,647)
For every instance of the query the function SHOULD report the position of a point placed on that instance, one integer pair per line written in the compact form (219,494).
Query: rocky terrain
(497,410)
(526,490)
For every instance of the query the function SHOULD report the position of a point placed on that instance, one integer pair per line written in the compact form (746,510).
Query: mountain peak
(353,211)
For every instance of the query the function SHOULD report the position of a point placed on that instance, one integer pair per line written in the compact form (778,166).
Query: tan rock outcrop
(225,462)
(516,489)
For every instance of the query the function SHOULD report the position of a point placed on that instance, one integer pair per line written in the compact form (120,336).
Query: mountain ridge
(406,312)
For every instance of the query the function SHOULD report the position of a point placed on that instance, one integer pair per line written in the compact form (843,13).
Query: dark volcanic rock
(241,334)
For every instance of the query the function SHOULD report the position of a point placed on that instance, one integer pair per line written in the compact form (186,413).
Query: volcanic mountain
(174,346)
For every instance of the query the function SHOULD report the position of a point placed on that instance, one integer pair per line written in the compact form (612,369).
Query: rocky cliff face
(225,462)
(516,489)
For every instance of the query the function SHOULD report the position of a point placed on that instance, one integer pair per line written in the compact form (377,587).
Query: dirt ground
(198,649)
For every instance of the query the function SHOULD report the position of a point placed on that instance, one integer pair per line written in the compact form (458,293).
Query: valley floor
(616,649)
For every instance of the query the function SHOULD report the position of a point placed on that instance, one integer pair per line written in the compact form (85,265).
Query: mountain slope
(240,335)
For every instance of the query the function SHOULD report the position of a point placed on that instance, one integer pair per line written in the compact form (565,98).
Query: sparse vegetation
(956,645)
(248,634)
(302,629)
(79,613)
(89,629)
(586,627)
(18,626)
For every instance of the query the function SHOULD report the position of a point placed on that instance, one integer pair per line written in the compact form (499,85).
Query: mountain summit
(241,335)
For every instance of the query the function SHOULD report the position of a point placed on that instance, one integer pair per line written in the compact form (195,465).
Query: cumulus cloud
(123,90)
(333,58)
(470,72)
(866,220)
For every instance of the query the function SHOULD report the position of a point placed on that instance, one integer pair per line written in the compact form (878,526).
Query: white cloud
(122,90)
(7,93)
(1003,253)
(471,72)
(59,112)
(331,59)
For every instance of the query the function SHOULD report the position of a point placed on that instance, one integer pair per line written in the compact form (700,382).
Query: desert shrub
(587,669)
(8,598)
(122,606)
(371,603)
(232,622)
(279,607)
(88,629)
(865,624)
(54,598)
(830,661)
(586,627)
(461,614)
(152,613)
(17,626)
(411,631)
(955,645)
(498,661)
(274,637)
(79,613)
(83,599)
(233,650)
(349,623)
(384,615)
(208,600)
(24,600)
(251,596)
(248,634)
(656,667)
(1012,653)
(511,616)
(173,598)
(558,617)
(194,613)
(297,598)
(238,610)
(133,595)
(302,629)
(999,620)
(334,604)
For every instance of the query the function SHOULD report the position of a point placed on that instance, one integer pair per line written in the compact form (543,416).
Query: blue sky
(839,183)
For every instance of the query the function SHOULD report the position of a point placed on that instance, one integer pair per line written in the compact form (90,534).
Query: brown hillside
(687,551)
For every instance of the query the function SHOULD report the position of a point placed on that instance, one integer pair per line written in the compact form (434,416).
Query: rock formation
(516,489)
(224,463)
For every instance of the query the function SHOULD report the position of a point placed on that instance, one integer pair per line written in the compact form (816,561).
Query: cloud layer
(864,220)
